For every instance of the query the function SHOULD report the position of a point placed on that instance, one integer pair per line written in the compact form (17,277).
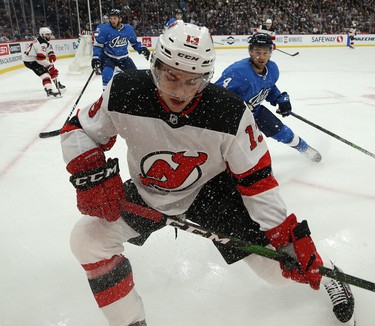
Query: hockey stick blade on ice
(291,55)
(333,135)
(53,133)
(265,252)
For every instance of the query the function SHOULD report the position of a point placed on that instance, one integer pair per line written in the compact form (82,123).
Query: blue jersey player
(111,47)
(178,16)
(254,80)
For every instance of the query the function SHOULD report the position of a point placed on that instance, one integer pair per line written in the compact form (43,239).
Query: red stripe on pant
(115,293)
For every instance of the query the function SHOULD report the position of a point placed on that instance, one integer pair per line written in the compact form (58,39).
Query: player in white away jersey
(40,57)
(193,149)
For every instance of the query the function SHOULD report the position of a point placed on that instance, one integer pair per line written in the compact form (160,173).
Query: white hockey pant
(269,270)
(98,246)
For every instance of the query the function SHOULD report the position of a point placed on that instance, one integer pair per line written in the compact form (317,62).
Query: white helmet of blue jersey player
(185,47)
(45,32)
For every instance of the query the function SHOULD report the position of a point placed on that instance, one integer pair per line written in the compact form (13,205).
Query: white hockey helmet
(185,47)
(269,21)
(44,31)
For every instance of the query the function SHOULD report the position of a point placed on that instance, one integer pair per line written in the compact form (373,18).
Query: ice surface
(185,282)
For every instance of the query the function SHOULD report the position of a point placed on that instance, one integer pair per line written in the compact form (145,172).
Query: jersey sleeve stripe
(258,187)
(41,56)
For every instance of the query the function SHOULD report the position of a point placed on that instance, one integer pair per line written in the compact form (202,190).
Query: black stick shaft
(48,134)
(346,278)
(333,135)
(292,55)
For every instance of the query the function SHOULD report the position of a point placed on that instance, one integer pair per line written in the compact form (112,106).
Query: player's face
(268,26)
(47,37)
(115,21)
(178,16)
(259,57)
(176,87)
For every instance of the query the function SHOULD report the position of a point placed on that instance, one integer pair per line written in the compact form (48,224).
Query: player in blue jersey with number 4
(254,80)
(111,47)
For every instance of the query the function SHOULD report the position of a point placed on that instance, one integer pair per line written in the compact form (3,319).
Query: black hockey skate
(342,300)
(50,92)
(139,323)
(60,87)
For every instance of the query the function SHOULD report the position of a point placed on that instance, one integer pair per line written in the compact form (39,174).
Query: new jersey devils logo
(168,171)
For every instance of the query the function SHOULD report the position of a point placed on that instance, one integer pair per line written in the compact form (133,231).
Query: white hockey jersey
(38,50)
(263,29)
(170,155)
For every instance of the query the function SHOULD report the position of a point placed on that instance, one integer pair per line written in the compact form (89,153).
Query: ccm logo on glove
(84,181)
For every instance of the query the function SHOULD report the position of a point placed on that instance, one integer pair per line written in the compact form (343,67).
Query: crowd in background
(21,19)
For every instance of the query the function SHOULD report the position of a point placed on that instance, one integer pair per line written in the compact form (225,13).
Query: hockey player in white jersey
(352,32)
(40,57)
(266,28)
(193,148)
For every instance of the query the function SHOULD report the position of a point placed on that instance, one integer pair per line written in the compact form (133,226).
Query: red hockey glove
(52,58)
(53,71)
(98,184)
(292,233)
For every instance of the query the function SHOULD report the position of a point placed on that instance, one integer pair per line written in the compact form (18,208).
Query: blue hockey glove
(285,108)
(145,52)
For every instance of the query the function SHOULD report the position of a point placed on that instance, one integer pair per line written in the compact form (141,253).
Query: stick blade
(49,134)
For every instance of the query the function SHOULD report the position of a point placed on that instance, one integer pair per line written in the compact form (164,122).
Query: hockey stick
(48,134)
(180,222)
(57,85)
(332,134)
(292,55)
(183,224)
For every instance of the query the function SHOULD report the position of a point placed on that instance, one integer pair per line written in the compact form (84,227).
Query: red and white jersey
(353,32)
(263,29)
(38,50)
(170,155)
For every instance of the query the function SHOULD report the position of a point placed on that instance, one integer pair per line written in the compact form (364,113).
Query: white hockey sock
(125,311)
(267,269)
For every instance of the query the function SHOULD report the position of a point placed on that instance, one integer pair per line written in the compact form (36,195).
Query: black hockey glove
(145,52)
(96,65)
(285,108)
